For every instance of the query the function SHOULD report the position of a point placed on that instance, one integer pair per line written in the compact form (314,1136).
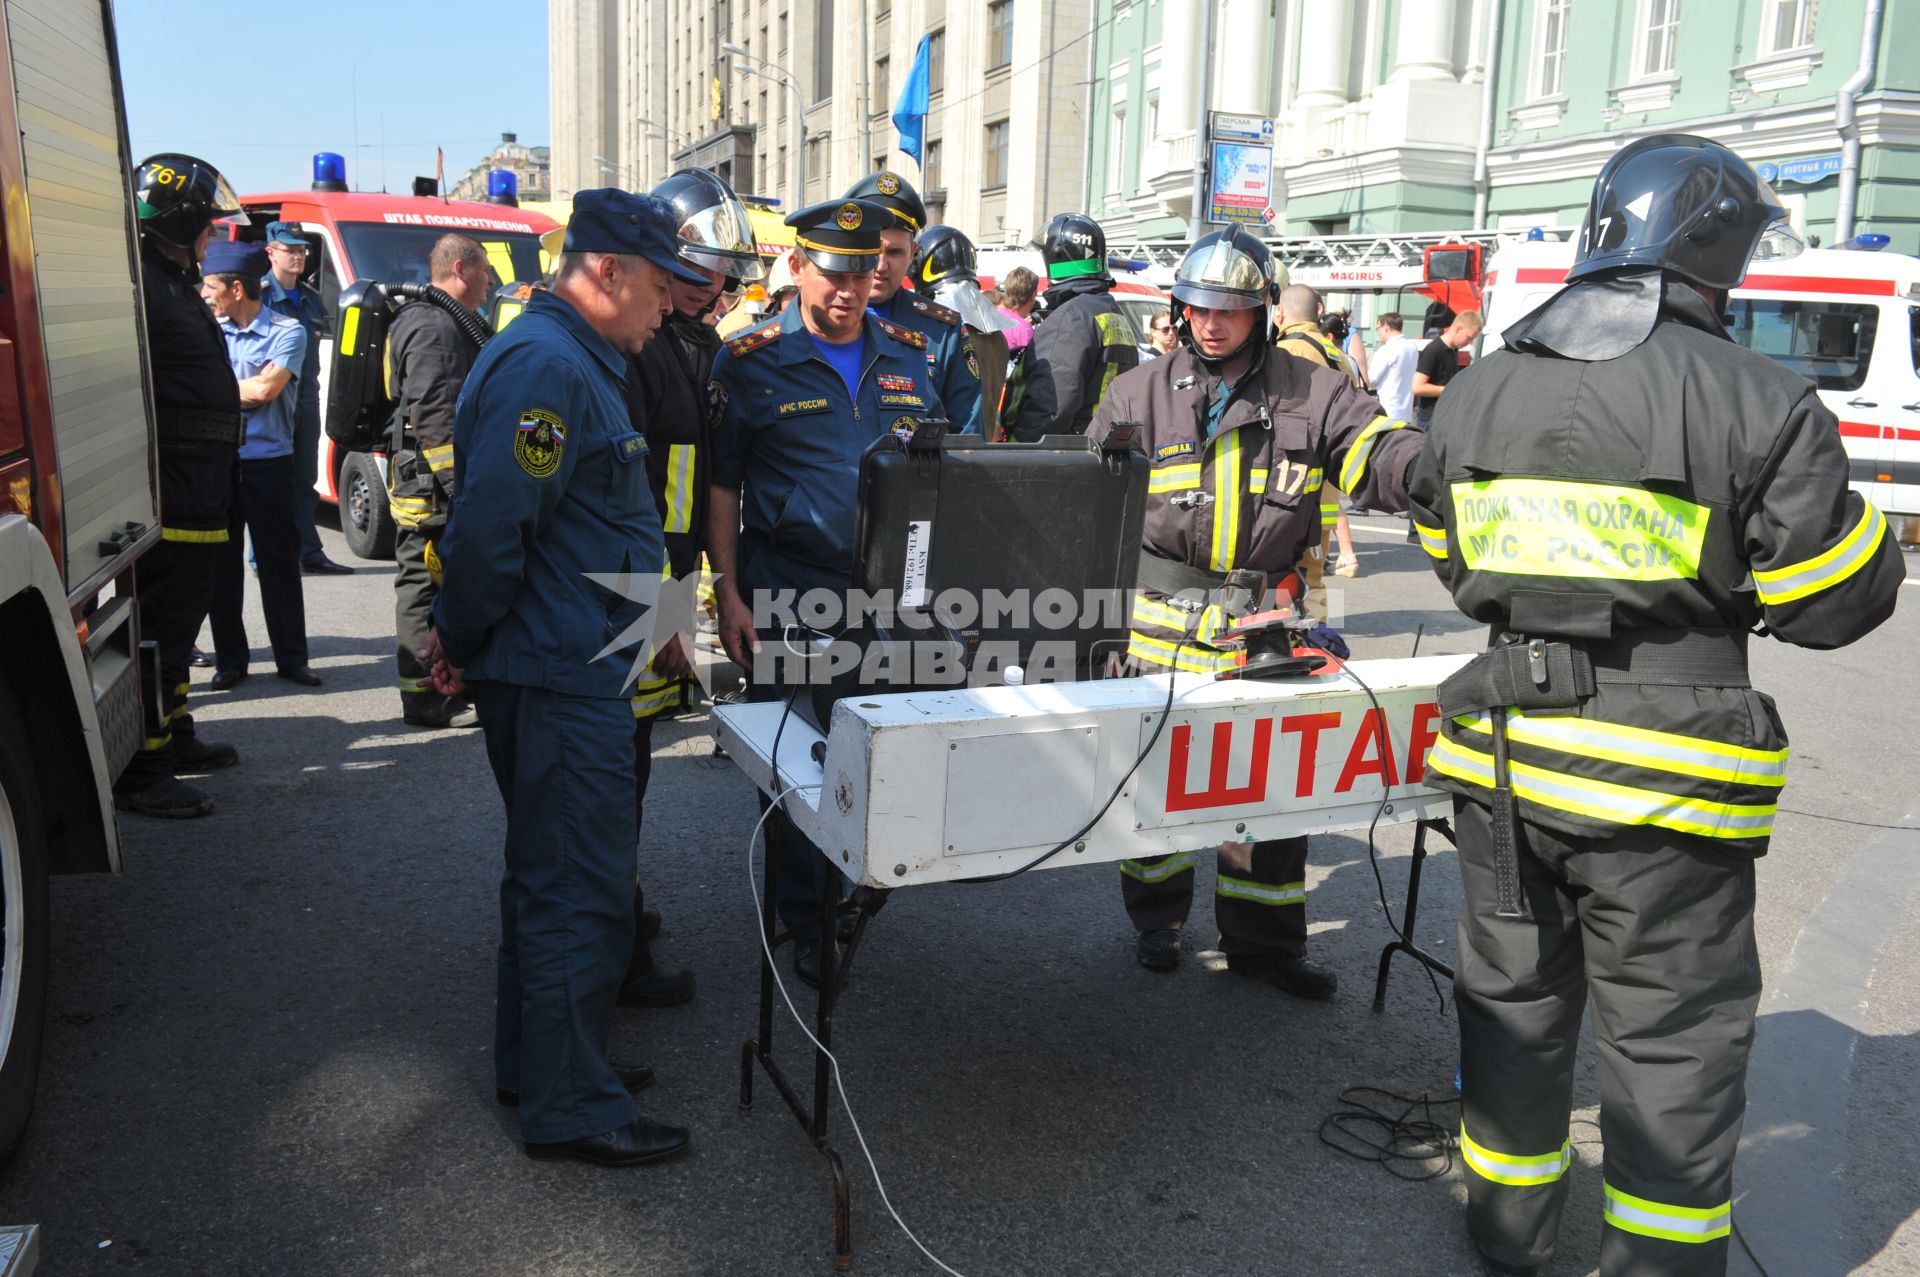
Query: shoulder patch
(748,342)
(934,310)
(917,340)
(537,442)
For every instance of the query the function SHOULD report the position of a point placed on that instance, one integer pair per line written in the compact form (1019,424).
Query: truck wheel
(364,516)
(23,925)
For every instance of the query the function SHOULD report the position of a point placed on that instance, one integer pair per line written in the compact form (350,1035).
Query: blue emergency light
(329,172)
(1872,242)
(503,187)
(1535,235)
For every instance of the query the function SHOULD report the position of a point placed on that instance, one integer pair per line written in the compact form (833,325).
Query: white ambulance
(1846,320)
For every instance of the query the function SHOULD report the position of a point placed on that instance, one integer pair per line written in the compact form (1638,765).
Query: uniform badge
(893,381)
(973,362)
(1168,451)
(905,426)
(1183,383)
(887,184)
(848,218)
(716,404)
(537,442)
(891,400)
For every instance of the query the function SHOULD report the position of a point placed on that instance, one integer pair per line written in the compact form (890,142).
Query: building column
(1242,43)
(1325,40)
(1423,47)
(1179,64)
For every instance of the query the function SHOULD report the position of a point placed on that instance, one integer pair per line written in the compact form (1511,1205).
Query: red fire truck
(77,487)
(361,235)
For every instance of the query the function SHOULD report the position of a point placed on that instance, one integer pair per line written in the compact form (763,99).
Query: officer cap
(286,233)
(606,220)
(841,235)
(230,257)
(895,194)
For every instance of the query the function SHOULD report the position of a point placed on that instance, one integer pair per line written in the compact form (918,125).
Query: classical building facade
(793,99)
(1386,117)
(530,164)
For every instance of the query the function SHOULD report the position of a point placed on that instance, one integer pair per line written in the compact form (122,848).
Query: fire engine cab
(367,236)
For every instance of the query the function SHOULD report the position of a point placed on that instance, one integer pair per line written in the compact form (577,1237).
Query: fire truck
(375,236)
(78,489)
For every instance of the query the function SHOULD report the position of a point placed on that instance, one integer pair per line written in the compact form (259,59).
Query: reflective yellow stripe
(1148,611)
(650,699)
(1256,480)
(505,312)
(1329,511)
(1642,747)
(413,685)
(1178,863)
(1226,501)
(1672,1223)
(182,690)
(152,743)
(1432,540)
(1315,481)
(1260,893)
(193,536)
(1824,571)
(1599,531)
(1174,478)
(679,488)
(1353,472)
(349,329)
(440,458)
(1520,1172)
(500,257)
(1193,660)
(1602,800)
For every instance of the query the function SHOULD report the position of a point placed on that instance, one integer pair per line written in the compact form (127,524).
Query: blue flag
(910,112)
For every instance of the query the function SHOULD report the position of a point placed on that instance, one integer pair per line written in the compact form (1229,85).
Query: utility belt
(1524,673)
(1172,578)
(199,425)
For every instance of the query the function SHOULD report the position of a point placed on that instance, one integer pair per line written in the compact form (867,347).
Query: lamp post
(655,129)
(619,171)
(750,65)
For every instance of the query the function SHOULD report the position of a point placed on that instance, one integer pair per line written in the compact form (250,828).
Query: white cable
(845,1103)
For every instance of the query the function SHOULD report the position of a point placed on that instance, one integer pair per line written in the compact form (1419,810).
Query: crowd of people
(1607,827)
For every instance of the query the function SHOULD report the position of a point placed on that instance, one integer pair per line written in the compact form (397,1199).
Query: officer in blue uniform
(955,367)
(551,483)
(794,403)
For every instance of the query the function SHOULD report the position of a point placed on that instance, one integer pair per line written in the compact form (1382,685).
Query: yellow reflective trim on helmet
(1824,571)
(1567,528)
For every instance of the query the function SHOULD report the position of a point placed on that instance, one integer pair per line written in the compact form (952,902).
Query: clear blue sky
(257,90)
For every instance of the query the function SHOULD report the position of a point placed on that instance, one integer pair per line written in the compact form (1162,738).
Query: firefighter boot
(193,756)
(166,798)
(1158,949)
(1297,976)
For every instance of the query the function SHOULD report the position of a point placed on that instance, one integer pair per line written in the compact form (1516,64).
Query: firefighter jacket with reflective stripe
(1080,346)
(1248,496)
(1303,338)
(667,402)
(1687,485)
(428,359)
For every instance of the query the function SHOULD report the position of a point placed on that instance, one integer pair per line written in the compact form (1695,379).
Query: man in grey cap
(551,502)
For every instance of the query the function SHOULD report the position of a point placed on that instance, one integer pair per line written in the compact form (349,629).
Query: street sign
(1240,183)
(1223,126)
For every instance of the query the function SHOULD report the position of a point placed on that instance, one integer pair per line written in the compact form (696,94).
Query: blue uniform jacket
(787,434)
(956,379)
(551,480)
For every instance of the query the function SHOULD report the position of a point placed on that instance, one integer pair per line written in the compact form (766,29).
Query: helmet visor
(1776,244)
(963,295)
(720,237)
(1219,277)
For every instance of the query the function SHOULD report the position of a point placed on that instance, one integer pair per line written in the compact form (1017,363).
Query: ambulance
(366,235)
(1846,319)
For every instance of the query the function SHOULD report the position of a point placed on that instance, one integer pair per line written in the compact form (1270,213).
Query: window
(1151,132)
(1828,343)
(999,34)
(880,97)
(782,55)
(816,161)
(934,179)
(823,52)
(1117,153)
(936,61)
(1788,25)
(996,167)
(1661,29)
(1550,62)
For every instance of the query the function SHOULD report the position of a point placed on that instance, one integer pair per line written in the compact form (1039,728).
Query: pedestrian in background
(1160,335)
(267,353)
(284,292)
(1393,365)
(1019,295)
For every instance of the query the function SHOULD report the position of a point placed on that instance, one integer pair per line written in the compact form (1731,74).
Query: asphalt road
(270,1037)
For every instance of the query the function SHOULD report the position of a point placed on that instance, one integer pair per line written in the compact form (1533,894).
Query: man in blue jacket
(552,501)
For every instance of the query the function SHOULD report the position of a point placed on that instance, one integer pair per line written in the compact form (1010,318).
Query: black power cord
(1369,1131)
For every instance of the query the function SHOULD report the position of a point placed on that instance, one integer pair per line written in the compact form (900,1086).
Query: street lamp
(781,76)
(608,166)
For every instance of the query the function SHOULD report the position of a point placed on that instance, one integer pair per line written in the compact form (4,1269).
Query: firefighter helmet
(895,194)
(1679,203)
(942,253)
(712,224)
(1225,270)
(1072,244)
(178,196)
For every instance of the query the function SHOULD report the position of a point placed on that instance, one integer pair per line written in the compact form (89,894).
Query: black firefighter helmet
(712,224)
(1072,244)
(942,253)
(178,196)
(1679,203)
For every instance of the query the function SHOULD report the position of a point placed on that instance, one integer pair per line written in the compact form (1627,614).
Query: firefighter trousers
(1259,895)
(175,588)
(1656,929)
(414,590)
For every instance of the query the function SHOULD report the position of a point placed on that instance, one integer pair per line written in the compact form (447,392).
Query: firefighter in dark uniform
(667,400)
(955,367)
(427,360)
(945,267)
(1242,437)
(794,403)
(1082,340)
(1622,494)
(197,407)
(551,502)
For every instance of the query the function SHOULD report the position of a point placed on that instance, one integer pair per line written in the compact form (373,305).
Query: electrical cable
(1368,1133)
(753,890)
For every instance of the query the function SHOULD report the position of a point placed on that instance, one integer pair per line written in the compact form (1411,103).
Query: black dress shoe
(165,798)
(630,1145)
(657,987)
(1158,949)
(636,1079)
(223,679)
(193,755)
(301,674)
(1297,976)
(200,660)
(323,566)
